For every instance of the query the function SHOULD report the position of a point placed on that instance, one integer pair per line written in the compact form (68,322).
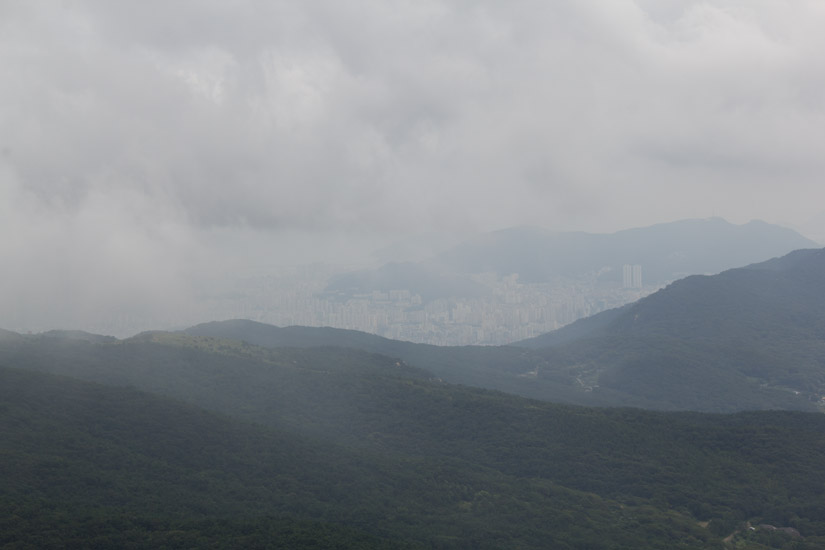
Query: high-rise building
(632,276)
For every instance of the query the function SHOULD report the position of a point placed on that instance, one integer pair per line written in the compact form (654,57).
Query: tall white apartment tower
(632,276)
(627,276)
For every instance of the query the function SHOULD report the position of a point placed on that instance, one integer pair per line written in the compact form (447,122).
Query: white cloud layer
(133,133)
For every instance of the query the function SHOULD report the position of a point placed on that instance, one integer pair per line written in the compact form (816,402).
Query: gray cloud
(133,133)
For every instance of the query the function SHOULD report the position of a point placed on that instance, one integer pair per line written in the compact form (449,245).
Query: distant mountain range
(666,252)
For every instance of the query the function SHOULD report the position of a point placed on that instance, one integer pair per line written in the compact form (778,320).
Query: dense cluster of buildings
(509,312)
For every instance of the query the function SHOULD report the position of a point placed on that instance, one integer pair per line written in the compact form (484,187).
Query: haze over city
(412,274)
(150,150)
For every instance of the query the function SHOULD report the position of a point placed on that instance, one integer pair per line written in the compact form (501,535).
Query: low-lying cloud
(132,134)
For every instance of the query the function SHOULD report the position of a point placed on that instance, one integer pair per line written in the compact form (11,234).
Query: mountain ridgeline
(666,251)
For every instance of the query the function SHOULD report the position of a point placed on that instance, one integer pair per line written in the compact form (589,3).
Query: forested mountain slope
(492,367)
(751,337)
(366,442)
(93,466)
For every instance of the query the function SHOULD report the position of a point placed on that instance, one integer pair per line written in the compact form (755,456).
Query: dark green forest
(242,446)
(748,338)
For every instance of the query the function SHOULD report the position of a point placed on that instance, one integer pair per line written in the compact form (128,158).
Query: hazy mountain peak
(665,251)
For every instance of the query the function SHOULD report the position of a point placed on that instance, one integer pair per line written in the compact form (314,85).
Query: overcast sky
(143,141)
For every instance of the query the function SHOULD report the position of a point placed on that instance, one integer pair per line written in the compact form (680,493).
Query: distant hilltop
(659,253)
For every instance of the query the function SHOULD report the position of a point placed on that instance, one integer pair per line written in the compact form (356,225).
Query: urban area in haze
(412,275)
(512,310)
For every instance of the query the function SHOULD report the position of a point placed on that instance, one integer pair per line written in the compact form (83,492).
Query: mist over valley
(430,275)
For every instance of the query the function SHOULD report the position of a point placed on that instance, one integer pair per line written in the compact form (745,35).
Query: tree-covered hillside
(92,466)
(748,338)
(365,443)
(493,367)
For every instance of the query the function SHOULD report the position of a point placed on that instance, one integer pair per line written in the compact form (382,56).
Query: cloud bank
(136,136)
